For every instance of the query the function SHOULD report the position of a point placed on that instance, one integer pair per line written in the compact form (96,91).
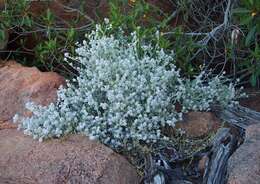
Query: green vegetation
(146,19)
(40,38)
(247,16)
(123,98)
(219,36)
(129,74)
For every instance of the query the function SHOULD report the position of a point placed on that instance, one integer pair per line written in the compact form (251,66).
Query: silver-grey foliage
(122,97)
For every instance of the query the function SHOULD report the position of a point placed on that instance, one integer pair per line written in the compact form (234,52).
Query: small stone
(199,124)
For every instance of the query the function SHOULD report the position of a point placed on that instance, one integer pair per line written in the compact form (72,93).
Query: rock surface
(198,124)
(73,159)
(19,85)
(244,164)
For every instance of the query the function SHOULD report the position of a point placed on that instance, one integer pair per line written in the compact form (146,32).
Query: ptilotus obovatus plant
(125,92)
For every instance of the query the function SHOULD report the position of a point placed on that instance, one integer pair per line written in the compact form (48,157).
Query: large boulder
(244,164)
(73,159)
(19,85)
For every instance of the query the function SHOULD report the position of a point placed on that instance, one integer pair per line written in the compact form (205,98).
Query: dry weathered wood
(163,173)
(224,144)
(238,115)
(222,147)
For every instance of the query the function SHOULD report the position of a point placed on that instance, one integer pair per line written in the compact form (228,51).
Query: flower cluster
(120,96)
(200,93)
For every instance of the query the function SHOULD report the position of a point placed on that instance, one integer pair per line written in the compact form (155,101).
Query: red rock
(199,124)
(244,164)
(73,159)
(7,125)
(19,85)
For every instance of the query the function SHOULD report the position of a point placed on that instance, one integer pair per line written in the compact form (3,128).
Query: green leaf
(256,52)
(2,35)
(258,27)
(49,17)
(27,21)
(250,36)
(245,20)
(257,5)
(241,10)
(71,33)
(253,79)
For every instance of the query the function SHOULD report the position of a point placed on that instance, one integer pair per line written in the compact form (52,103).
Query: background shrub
(247,51)
(211,35)
(38,36)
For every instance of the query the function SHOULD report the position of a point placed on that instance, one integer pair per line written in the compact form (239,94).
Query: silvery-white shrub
(124,94)
(200,93)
